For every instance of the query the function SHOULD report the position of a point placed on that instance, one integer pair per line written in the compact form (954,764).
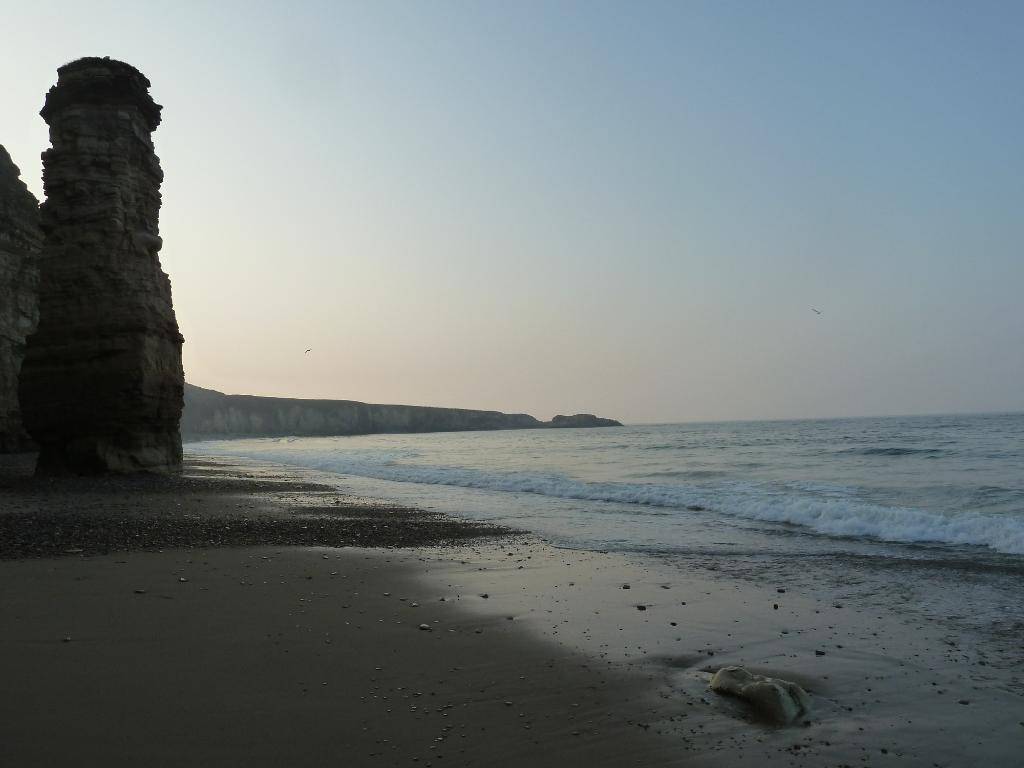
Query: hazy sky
(625,208)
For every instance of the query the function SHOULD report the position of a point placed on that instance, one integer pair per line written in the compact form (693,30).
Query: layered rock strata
(209,413)
(20,242)
(101,383)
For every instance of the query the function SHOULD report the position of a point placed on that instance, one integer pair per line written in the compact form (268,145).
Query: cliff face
(20,243)
(101,383)
(213,414)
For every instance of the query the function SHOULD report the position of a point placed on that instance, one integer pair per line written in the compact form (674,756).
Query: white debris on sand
(777,700)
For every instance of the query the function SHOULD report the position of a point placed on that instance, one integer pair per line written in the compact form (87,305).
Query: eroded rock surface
(101,383)
(20,242)
(778,701)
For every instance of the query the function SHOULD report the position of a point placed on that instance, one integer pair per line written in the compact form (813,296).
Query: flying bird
(815,311)
(308,351)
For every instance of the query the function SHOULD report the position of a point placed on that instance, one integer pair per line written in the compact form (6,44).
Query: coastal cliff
(212,414)
(20,244)
(101,381)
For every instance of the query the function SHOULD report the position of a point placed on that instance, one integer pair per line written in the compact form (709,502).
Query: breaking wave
(825,514)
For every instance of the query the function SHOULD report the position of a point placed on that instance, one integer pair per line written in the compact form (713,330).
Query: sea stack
(20,242)
(101,384)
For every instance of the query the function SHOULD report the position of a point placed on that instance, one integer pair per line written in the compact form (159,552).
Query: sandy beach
(285,655)
(247,615)
(511,385)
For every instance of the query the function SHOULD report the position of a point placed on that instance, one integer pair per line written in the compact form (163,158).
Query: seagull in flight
(308,351)
(815,311)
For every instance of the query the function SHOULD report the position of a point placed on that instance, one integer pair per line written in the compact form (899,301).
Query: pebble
(425,627)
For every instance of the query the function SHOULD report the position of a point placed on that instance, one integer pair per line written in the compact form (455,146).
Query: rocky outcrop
(582,420)
(209,413)
(20,242)
(101,383)
(778,701)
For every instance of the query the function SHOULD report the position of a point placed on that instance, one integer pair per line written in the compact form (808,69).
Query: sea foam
(825,514)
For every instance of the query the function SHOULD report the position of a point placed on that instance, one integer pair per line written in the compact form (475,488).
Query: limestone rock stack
(20,241)
(101,383)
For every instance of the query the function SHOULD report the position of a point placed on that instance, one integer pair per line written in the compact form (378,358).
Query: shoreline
(217,503)
(883,689)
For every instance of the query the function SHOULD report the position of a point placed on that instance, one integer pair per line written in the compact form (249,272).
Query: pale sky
(623,208)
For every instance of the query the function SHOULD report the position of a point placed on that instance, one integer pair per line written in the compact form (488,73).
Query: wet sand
(886,689)
(289,657)
(256,652)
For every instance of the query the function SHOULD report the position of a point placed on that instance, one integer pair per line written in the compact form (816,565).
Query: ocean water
(942,480)
(923,513)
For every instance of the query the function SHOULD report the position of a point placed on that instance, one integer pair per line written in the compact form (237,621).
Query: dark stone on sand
(55,516)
